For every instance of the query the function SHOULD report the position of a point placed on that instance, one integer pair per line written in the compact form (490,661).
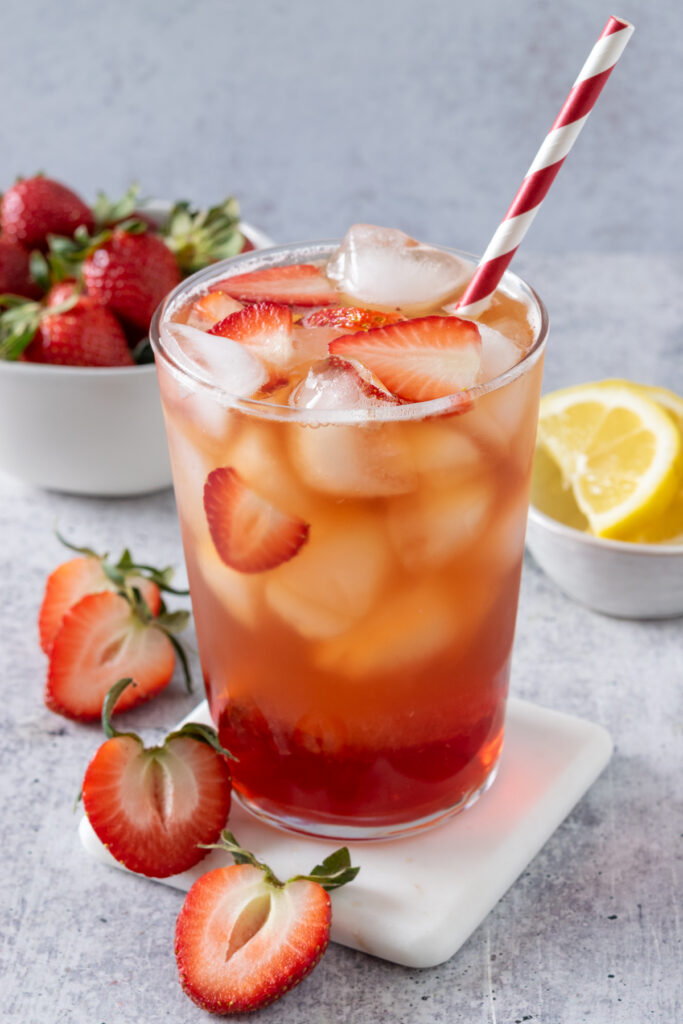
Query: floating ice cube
(336,383)
(498,353)
(238,592)
(216,360)
(383,267)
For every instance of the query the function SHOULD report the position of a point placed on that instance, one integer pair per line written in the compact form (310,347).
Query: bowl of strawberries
(79,401)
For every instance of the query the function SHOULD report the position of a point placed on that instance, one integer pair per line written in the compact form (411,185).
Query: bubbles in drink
(384,267)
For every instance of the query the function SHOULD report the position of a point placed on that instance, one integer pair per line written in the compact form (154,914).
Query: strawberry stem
(113,694)
(333,872)
(204,734)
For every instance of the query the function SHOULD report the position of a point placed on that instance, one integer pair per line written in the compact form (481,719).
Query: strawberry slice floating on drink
(350,318)
(212,307)
(249,533)
(264,327)
(299,285)
(156,808)
(244,938)
(418,360)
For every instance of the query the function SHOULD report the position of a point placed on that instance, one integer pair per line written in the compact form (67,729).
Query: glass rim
(447,404)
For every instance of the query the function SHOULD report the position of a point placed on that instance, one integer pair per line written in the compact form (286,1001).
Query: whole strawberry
(131,273)
(15,276)
(86,334)
(36,207)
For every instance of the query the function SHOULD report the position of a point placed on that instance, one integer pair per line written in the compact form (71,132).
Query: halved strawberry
(301,284)
(249,533)
(243,938)
(350,318)
(71,581)
(210,308)
(265,328)
(101,639)
(417,360)
(152,807)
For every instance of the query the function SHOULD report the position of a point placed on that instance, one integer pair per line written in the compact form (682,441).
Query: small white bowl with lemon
(606,514)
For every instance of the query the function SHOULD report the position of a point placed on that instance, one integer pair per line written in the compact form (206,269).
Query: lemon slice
(617,449)
(667,528)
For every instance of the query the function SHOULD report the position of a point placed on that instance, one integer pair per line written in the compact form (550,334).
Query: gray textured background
(423,115)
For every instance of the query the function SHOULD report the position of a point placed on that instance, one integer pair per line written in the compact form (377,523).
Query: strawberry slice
(350,318)
(210,308)
(299,285)
(249,533)
(243,938)
(417,360)
(264,327)
(71,581)
(153,806)
(101,639)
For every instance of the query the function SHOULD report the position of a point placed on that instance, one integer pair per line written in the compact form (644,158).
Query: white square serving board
(416,900)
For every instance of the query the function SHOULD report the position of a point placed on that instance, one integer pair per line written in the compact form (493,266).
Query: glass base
(347,832)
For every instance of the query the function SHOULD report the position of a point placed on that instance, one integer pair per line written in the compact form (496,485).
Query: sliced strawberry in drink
(417,360)
(243,938)
(152,807)
(265,328)
(350,318)
(210,308)
(299,285)
(249,533)
(101,639)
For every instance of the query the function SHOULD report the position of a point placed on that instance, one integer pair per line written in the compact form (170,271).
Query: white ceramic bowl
(87,430)
(630,581)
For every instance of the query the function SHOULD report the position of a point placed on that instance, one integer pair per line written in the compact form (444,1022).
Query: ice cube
(259,455)
(498,353)
(361,460)
(436,525)
(217,360)
(334,580)
(199,415)
(382,267)
(336,383)
(405,630)
(443,449)
(238,592)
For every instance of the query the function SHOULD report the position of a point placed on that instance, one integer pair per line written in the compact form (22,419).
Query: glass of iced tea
(351,464)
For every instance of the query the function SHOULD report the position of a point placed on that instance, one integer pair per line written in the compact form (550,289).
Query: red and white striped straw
(547,162)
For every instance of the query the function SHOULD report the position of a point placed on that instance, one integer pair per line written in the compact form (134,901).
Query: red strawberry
(249,533)
(264,327)
(154,807)
(417,360)
(101,639)
(243,938)
(62,292)
(350,318)
(15,276)
(131,274)
(210,308)
(299,285)
(37,207)
(87,334)
(71,581)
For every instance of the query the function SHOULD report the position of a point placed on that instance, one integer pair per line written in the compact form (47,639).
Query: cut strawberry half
(417,360)
(152,807)
(243,938)
(210,308)
(350,318)
(101,639)
(265,328)
(249,533)
(71,581)
(299,285)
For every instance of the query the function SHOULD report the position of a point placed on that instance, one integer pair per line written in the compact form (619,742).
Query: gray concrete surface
(423,116)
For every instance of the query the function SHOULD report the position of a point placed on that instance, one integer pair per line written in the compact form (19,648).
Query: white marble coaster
(417,900)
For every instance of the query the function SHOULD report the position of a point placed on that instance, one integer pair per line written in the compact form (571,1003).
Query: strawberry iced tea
(351,464)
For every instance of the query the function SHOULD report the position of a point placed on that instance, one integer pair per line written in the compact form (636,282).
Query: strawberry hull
(360,674)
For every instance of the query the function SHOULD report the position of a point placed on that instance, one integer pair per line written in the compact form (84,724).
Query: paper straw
(547,162)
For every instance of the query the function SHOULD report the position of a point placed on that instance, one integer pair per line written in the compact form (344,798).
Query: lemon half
(617,449)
